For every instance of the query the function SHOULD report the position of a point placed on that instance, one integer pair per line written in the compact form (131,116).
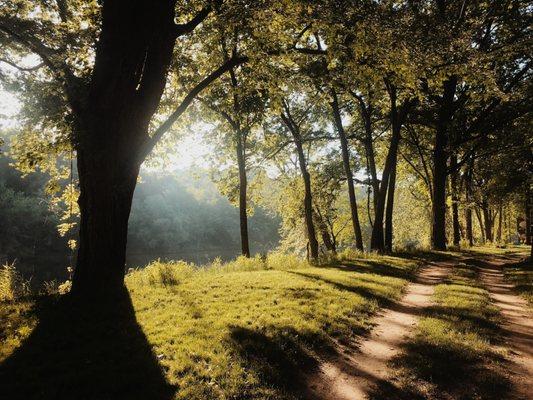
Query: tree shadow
(278,358)
(84,351)
(367,293)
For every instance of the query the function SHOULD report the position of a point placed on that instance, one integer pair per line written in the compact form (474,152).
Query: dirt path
(352,375)
(517,326)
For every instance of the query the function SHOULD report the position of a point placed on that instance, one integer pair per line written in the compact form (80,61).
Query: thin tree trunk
(488,221)
(481,225)
(455,202)
(500,218)
(243,186)
(468,211)
(308,198)
(389,211)
(348,171)
(528,217)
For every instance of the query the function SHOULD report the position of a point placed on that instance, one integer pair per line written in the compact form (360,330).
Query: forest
(270,199)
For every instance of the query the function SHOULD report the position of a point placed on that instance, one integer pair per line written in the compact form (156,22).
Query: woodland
(356,151)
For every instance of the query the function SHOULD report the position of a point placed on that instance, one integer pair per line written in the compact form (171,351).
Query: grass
(521,276)
(452,354)
(244,330)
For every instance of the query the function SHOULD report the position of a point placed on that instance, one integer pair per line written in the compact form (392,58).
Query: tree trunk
(131,61)
(348,171)
(468,211)
(440,168)
(308,202)
(481,225)
(455,203)
(106,188)
(243,186)
(488,221)
(308,199)
(389,210)
(388,178)
(528,217)
(500,218)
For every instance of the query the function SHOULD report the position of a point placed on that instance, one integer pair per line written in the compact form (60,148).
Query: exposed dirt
(517,326)
(360,366)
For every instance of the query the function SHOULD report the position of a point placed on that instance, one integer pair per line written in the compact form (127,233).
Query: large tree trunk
(132,58)
(348,171)
(440,168)
(243,186)
(106,187)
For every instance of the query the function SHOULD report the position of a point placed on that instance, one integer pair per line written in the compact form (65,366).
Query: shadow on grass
(80,352)
(436,372)
(278,358)
(364,292)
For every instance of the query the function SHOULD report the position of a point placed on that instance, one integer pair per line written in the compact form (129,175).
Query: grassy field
(243,330)
(521,276)
(454,353)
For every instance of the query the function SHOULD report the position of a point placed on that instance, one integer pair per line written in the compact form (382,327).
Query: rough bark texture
(132,58)
(348,171)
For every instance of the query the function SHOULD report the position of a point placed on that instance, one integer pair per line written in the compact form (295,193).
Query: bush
(160,273)
(13,286)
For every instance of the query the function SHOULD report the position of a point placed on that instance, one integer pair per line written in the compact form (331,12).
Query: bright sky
(191,149)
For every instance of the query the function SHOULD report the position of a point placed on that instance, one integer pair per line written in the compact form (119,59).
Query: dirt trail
(517,326)
(353,374)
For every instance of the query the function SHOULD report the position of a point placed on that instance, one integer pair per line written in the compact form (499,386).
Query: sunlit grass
(246,329)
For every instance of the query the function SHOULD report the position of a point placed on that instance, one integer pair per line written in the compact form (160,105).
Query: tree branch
(165,126)
(188,27)
(23,69)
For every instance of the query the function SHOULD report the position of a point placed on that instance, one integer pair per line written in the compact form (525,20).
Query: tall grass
(13,286)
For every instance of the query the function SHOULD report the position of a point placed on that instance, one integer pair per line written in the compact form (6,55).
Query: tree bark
(440,168)
(500,223)
(455,202)
(488,221)
(243,187)
(308,197)
(481,225)
(389,210)
(132,57)
(348,171)
(528,216)
(468,211)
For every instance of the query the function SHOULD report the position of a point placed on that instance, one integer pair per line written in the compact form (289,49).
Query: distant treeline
(174,216)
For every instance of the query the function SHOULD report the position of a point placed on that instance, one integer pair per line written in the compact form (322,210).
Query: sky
(190,151)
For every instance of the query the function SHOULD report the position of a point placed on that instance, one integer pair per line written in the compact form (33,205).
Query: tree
(110,105)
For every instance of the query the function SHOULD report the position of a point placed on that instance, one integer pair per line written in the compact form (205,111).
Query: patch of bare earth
(517,326)
(361,366)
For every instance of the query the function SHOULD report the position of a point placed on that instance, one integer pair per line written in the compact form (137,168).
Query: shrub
(13,286)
